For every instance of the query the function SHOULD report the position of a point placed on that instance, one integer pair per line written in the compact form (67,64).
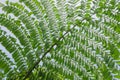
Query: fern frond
(6,65)
(76,39)
(29,25)
(15,51)
(18,33)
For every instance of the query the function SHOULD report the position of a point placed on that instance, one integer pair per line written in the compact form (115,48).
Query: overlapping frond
(76,39)
(91,50)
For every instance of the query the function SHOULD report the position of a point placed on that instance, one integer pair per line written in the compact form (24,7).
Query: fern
(60,40)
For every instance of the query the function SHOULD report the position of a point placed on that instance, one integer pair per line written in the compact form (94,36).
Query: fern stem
(38,61)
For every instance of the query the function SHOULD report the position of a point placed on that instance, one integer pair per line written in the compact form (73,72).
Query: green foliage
(60,40)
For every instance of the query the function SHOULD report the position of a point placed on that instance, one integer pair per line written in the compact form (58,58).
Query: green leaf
(1,4)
